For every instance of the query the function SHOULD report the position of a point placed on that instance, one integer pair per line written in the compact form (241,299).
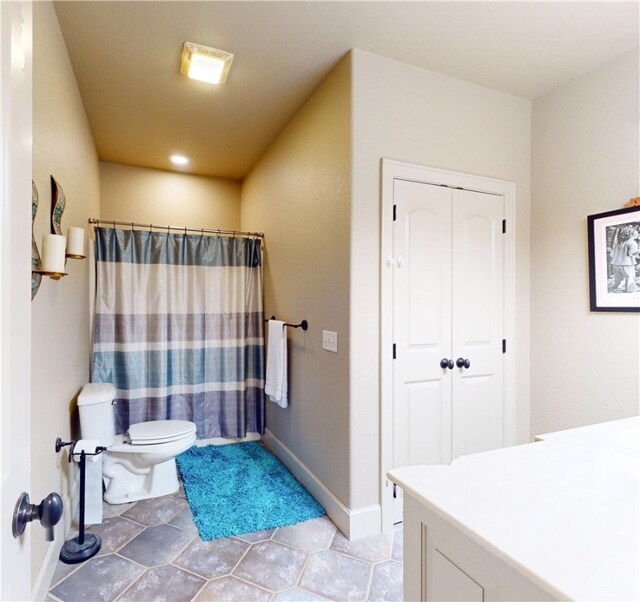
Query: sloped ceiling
(126,57)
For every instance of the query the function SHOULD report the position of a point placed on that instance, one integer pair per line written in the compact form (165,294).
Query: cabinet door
(478,322)
(446,582)
(421,324)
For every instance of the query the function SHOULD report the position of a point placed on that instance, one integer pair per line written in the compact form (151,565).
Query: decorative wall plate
(35,255)
(58,203)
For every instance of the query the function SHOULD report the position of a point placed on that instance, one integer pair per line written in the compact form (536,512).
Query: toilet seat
(159,431)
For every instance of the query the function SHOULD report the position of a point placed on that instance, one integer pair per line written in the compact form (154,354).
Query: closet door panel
(422,423)
(424,268)
(422,323)
(477,417)
(478,325)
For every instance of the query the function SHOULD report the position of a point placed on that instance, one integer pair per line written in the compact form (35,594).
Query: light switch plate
(330,340)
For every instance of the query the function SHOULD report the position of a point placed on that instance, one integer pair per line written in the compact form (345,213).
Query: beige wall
(139,194)
(410,114)
(62,146)
(585,366)
(299,195)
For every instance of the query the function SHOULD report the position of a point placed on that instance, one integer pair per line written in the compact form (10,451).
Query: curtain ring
(114,224)
(202,233)
(132,228)
(218,232)
(185,230)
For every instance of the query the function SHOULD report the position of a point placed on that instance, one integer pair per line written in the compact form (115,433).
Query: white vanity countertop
(615,432)
(564,511)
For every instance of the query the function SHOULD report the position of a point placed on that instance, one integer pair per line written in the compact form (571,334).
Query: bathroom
(314,192)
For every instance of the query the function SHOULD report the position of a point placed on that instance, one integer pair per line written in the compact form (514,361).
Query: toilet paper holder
(60,444)
(84,546)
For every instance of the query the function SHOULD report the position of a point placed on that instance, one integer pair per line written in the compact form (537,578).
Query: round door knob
(48,512)
(463,363)
(445,363)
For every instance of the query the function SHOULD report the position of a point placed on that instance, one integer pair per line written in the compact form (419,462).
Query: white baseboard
(61,533)
(353,523)
(365,521)
(50,562)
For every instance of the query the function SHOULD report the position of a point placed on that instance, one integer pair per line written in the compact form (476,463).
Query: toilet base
(161,479)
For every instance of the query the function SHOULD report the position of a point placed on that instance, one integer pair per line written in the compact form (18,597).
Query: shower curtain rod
(132,225)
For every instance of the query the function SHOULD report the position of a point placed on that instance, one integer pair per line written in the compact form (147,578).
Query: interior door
(478,323)
(422,326)
(422,319)
(15,302)
(448,324)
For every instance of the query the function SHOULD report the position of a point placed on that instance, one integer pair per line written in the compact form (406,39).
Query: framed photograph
(614,260)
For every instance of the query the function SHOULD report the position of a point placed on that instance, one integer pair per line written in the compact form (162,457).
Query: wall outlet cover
(330,341)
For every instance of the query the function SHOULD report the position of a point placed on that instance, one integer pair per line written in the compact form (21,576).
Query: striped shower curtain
(179,329)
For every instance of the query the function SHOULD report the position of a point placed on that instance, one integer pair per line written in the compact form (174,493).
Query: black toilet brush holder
(85,545)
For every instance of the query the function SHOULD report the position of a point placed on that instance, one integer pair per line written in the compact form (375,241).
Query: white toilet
(141,463)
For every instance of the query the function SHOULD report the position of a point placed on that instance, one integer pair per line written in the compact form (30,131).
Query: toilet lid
(159,431)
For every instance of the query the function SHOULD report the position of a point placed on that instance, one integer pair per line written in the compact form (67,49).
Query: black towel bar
(304,324)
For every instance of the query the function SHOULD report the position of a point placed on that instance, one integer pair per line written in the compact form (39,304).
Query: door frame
(15,289)
(393,170)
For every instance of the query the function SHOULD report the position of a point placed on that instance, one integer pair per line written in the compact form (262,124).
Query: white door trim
(15,289)
(429,175)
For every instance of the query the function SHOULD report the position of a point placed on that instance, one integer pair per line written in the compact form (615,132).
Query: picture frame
(614,260)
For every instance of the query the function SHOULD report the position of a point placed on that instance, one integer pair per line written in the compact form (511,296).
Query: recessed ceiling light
(179,159)
(204,63)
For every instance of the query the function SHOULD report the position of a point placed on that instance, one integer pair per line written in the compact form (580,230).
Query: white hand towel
(276,382)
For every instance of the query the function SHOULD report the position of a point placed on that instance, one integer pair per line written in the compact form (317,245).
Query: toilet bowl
(139,464)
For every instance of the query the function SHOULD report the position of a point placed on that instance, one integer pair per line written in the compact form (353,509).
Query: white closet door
(422,324)
(478,316)
(447,293)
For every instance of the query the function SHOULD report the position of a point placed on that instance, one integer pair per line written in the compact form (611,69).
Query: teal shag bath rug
(241,488)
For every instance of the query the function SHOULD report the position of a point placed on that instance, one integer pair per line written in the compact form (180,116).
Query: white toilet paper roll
(92,482)
(88,446)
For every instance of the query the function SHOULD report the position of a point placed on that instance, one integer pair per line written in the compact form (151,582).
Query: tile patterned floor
(151,551)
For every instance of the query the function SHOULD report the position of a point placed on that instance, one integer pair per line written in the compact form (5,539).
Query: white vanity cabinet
(553,520)
(448,581)
(443,564)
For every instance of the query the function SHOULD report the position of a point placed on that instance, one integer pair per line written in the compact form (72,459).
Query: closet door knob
(445,363)
(463,363)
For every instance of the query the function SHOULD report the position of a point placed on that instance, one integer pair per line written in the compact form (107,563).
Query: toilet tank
(96,412)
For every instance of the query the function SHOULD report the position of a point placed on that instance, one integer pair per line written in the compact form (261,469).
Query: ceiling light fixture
(204,63)
(179,159)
